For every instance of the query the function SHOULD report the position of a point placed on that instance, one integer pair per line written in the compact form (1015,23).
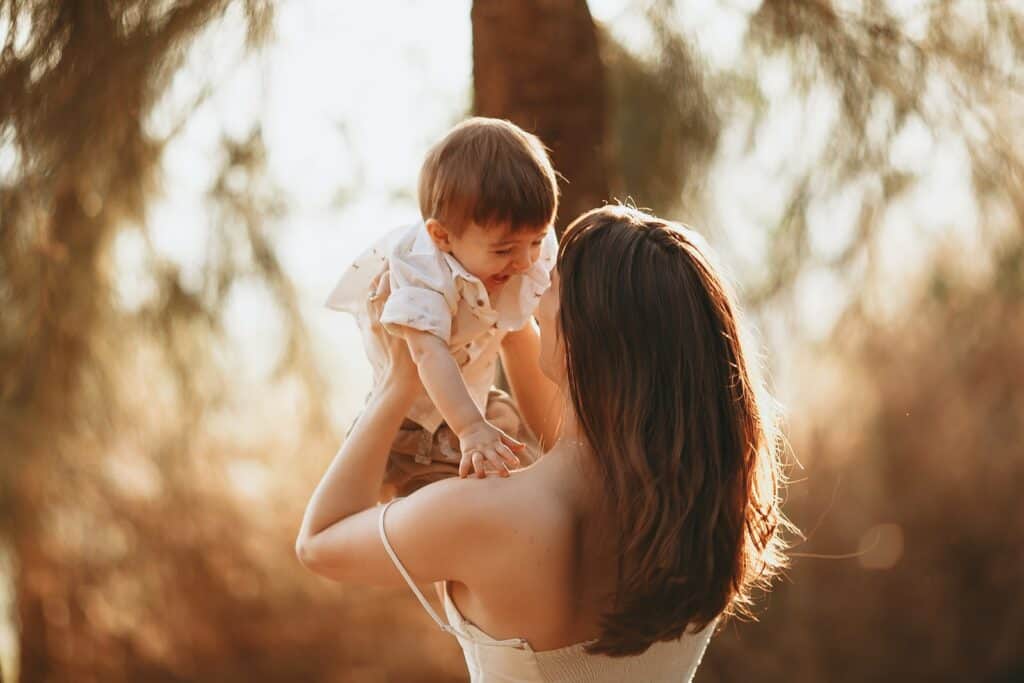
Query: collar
(481,298)
(504,311)
(424,246)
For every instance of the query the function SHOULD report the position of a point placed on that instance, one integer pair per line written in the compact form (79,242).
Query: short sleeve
(418,308)
(352,289)
(422,294)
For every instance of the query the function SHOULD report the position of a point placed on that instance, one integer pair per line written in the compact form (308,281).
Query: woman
(652,515)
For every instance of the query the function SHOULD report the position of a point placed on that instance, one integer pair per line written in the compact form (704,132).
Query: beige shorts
(419,458)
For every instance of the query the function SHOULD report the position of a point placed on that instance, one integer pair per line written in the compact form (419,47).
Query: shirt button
(479,302)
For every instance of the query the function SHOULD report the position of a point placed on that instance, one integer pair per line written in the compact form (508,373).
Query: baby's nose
(521,264)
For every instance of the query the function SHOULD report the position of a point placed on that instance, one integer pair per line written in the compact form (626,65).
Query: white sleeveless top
(512,660)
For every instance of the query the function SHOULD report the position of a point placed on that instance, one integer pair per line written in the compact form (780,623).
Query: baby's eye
(538,243)
(503,252)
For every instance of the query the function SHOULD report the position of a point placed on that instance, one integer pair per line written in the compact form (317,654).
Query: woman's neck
(570,464)
(572,451)
(570,434)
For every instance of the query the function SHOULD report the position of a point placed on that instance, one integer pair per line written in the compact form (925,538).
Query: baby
(452,285)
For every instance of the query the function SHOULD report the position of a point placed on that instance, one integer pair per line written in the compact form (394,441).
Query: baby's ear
(439,234)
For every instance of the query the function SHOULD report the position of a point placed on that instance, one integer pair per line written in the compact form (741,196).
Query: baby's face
(495,254)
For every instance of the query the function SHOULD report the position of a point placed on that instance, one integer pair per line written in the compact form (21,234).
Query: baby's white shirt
(431,291)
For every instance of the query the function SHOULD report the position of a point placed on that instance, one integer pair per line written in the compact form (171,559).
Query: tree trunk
(536,63)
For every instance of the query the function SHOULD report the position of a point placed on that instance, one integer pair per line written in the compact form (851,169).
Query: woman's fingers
(465,465)
(380,289)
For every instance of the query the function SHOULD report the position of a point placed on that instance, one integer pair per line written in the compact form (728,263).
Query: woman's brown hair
(659,382)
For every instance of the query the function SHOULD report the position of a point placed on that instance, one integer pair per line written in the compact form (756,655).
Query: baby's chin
(494,284)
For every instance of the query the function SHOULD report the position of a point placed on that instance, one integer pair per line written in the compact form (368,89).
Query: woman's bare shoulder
(529,548)
(526,496)
(496,515)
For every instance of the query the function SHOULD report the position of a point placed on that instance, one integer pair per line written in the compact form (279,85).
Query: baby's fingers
(512,443)
(478,464)
(495,458)
(465,465)
(510,458)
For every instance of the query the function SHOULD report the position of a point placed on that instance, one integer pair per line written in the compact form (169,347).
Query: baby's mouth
(500,279)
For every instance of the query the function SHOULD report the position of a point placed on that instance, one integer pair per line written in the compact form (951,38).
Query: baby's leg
(417,460)
(410,476)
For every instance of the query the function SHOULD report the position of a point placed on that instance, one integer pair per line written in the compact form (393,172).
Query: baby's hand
(482,442)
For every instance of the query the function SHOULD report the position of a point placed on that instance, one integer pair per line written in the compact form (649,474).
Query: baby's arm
(478,439)
(539,399)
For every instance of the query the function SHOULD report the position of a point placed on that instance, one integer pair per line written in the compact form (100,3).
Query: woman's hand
(400,372)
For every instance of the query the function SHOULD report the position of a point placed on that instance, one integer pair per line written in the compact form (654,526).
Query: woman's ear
(440,236)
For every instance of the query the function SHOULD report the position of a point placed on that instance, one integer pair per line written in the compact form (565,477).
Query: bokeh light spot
(881,547)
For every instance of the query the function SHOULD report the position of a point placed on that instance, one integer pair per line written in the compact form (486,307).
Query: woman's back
(558,565)
(533,622)
(514,659)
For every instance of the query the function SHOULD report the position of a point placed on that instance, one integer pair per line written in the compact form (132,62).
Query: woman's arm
(444,531)
(353,480)
(540,400)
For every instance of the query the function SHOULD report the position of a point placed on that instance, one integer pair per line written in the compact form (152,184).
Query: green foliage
(84,379)
(946,66)
(664,124)
(956,78)
(923,435)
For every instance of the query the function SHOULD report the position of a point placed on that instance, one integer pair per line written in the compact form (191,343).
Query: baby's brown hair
(490,172)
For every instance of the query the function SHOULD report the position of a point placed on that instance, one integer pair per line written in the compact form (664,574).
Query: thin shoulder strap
(401,570)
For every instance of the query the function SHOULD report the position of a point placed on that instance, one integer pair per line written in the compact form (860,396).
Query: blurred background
(182,181)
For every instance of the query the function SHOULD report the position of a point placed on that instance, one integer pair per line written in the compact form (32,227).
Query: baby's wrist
(470,427)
